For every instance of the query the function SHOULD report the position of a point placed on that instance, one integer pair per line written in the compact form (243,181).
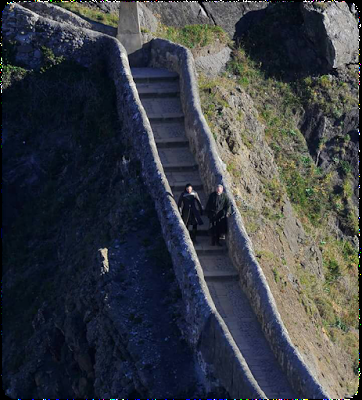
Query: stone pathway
(159,93)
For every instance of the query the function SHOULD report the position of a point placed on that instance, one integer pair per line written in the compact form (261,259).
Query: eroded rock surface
(323,23)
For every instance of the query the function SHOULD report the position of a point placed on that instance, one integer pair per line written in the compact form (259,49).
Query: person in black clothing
(191,209)
(218,209)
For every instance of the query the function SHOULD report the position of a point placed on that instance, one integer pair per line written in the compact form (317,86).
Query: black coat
(217,209)
(190,208)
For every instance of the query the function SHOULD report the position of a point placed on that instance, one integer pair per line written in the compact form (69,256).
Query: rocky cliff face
(91,306)
(75,340)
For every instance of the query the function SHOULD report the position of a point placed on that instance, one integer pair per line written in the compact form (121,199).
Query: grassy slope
(332,305)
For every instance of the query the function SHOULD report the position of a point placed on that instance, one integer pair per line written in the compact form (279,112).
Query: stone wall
(205,331)
(177,58)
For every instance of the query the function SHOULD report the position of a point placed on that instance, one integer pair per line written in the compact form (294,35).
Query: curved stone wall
(166,54)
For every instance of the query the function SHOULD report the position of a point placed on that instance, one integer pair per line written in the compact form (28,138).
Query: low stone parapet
(165,54)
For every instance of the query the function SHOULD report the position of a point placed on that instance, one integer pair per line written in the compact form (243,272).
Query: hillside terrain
(286,127)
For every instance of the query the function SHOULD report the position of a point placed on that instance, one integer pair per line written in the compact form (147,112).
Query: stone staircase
(159,93)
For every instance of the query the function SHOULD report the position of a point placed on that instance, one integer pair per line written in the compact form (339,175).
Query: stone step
(221,264)
(153,74)
(204,247)
(169,132)
(165,144)
(178,187)
(179,168)
(163,108)
(221,275)
(158,89)
(234,307)
(177,158)
(183,178)
(166,119)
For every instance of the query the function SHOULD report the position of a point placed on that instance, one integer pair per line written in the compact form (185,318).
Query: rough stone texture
(200,308)
(214,63)
(140,135)
(147,19)
(64,16)
(229,15)
(100,334)
(323,28)
(179,59)
(179,14)
(64,39)
(198,302)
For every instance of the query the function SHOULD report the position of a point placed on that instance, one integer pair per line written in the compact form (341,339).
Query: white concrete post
(129,32)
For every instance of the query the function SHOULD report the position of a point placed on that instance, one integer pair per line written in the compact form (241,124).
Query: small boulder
(333,30)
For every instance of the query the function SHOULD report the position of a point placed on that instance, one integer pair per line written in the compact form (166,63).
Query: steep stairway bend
(159,93)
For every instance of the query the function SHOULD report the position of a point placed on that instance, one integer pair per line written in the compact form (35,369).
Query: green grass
(276,275)
(110,19)
(234,170)
(193,36)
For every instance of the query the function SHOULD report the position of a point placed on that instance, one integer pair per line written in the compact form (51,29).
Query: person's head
(188,188)
(219,189)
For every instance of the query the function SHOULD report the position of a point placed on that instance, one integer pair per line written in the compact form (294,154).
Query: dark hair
(189,184)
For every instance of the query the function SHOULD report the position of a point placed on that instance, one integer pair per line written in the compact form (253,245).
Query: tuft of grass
(233,169)
(110,19)
(276,275)
(193,36)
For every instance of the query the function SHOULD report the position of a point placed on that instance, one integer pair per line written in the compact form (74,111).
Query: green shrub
(276,275)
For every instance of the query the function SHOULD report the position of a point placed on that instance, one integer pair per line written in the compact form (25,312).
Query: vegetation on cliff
(330,303)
